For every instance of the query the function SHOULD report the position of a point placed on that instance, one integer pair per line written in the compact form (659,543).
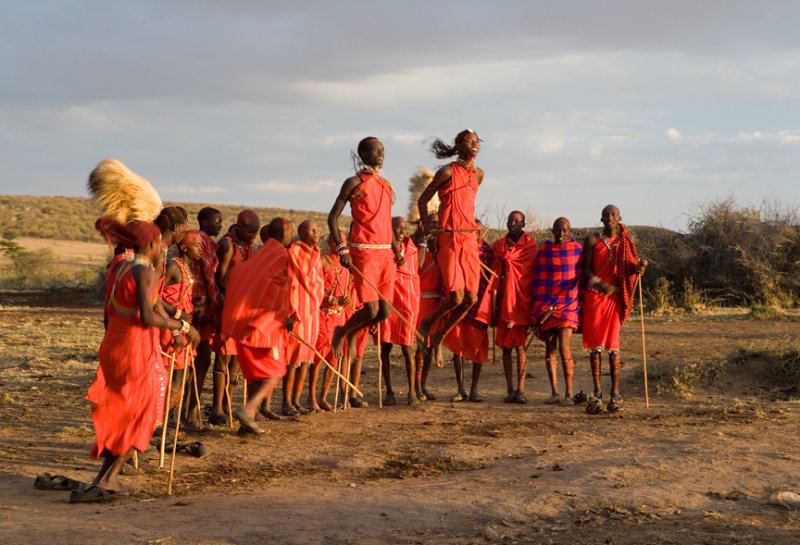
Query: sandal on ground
(196,449)
(422,397)
(553,400)
(521,399)
(358,403)
(302,410)
(388,401)
(612,406)
(460,396)
(594,405)
(616,397)
(580,397)
(475,398)
(289,411)
(45,481)
(413,401)
(92,495)
(567,402)
(429,396)
(511,397)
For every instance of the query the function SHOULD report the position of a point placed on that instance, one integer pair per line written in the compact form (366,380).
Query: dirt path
(686,470)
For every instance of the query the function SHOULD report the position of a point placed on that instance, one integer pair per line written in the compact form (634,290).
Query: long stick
(166,412)
(322,358)
(244,392)
(380,368)
(644,348)
(494,345)
(346,400)
(178,420)
(228,391)
(487,269)
(196,394)
(403,318)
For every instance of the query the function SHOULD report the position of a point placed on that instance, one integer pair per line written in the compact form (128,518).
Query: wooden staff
(196,392)
(322,358)
(488,269)
(380,368)
(244,392)
(166,411)
(550,310)
(228,391)
(178,422)
(346,400)
(644,348)
(135,460)
(403,318)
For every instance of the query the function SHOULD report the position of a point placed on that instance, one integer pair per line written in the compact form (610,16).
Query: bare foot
(436,347)
(324,405)
(314,407)
(268,415)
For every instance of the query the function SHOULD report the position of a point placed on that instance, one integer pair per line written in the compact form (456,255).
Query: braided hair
(443,151)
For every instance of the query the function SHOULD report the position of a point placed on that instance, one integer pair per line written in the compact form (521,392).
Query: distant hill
(72,218)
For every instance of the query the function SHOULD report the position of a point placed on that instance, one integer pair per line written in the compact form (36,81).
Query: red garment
(457,200)
(257,304)
(242,252)
(261,363)
(510,335)
(469,341)
(514,265)
(337,284)
(458,261)
(307,291)
(179,296)
(431,289)
(615,262)
(406,299)
(363,335)
(371,237)
(129,386)
(205,293)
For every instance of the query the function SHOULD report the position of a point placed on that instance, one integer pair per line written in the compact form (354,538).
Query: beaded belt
(371,246)
(429,295)
(331,310)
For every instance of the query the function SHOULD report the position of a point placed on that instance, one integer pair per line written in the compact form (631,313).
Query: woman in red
(128,390)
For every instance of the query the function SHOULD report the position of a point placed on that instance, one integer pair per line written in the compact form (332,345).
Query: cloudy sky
(657,107)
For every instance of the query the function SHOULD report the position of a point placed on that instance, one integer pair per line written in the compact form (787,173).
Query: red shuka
(308,288)
(205,293)
(337,284)
(371,237)
(179,296)
(257,304)
(515,261)
(128,389)
(456,251)
(406,299)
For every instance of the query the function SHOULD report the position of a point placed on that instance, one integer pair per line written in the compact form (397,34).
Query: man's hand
(344,301)
(346,260)
(289,324)
(399,258)
(194,336)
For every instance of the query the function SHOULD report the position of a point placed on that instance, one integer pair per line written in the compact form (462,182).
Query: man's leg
(327,380)
(220,385)
(567,363)
(615,366)
(476,376)
(257,392)
(370,313)
(313,377)
(508,371)
(297,388)
(411,374)
(522,360)
(595,364)
(458,367)
(551,363)
(202,362)
(384,354)
(287,409)
(108,477)
(419,363)
(355,378)
(464,300)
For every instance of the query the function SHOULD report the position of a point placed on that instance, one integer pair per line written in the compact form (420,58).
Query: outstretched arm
(225,255)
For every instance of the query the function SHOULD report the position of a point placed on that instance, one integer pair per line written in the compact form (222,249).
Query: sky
(657,107)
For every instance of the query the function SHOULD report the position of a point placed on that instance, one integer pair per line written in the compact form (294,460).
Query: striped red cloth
(556,282)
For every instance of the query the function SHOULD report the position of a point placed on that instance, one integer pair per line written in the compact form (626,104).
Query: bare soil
(696,468)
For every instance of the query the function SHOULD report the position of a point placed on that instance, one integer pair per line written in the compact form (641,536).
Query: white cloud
(666,168)
(297,186)
(674,134)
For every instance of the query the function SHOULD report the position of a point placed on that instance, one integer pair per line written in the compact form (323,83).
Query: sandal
(196,449)
(358,403)
(92,495)
(475,398)
(45,481)
(388,401)
(217,419)
(553,400)
(459,397)
(580,397)
(511,397)
(247,425)
(428,396)
(520,398)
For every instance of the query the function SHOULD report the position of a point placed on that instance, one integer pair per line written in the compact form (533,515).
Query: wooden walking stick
(346,400)
(135,460)
(322,358)
(404,319)
(380,368)
(166,411)
(644,347)
(178,421)
(336,394)
(228,392)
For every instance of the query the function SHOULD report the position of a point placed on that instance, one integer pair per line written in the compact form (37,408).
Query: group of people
(291,311)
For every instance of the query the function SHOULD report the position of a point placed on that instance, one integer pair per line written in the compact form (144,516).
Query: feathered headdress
(416,185)
(122,194)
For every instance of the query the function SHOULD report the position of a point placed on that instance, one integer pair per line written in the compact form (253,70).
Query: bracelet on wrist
(176,332)
(178,314)
(343,251)
(185,326)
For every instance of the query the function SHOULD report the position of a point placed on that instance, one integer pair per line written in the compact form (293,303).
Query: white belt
(371,246)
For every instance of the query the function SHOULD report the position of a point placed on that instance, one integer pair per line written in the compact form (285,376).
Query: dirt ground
(690,469)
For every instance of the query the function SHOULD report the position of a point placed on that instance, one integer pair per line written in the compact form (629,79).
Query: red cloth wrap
(458,261)
(308,288)
(260,363)
(205,293)
(380,268)
(510,337)
(405,301)
(128,390)
(515,260)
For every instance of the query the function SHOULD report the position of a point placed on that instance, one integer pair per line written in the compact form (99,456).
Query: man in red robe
(373,250)
(431,294)
(513,263)
(469,339)
(307,291)
(258,316)
(234,248)
(337,286)
(207,303)
(610,269)
(457,185)
(556,304)
(394,330)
